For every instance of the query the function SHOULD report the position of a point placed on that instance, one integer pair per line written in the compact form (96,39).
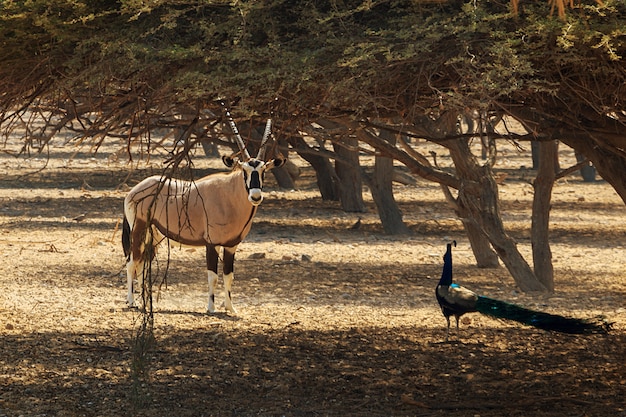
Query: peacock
(455,300)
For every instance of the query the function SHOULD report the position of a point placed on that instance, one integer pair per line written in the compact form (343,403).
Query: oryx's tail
(126,238)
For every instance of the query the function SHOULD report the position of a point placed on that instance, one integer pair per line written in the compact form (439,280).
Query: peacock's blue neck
(446,274)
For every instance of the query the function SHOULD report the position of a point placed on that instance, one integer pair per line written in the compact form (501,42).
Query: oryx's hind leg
(131,273)
(139,241)
(134,271)
(229,264)
(130,248)
(211,264)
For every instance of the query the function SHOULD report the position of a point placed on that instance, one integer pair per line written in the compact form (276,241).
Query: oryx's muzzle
(253,174)
(255,196)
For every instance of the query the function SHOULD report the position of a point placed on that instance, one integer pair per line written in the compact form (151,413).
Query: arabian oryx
(215,211)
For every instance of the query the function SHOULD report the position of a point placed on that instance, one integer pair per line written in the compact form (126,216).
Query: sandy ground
(331,321)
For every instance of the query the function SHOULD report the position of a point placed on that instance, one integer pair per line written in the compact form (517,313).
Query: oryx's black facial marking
(255,180)
(253,174)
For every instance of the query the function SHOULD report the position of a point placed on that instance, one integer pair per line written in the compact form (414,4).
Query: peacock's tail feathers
(546,321)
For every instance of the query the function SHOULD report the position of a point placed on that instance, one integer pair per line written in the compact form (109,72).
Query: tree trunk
(609,161)
(283,178)
(483,253)
(588,171)
(327,180)
(348,171)
(542,255)
(481,248)
(478,197)
(381,187)
(536,150)
(210,149)
(603,143)
(535,154)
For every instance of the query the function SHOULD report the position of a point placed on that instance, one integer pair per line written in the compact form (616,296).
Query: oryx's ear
(228,161)
(278,162)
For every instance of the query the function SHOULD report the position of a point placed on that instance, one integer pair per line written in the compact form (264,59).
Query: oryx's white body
(215,211)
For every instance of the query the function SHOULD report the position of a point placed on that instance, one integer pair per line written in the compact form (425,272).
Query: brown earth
(332,321)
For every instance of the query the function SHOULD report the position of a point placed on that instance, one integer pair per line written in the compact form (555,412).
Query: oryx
(215,211)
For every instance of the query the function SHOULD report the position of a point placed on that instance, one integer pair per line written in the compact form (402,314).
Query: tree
(380,183)
(542,255)
(327,181)
(120,70)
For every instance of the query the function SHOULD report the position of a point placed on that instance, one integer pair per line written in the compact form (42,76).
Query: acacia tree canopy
(123,68)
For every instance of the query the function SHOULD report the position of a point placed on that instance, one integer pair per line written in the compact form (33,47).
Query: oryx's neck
(233,184)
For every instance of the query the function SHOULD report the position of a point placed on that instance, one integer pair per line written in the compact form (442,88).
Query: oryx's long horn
(266,136)
(238,138)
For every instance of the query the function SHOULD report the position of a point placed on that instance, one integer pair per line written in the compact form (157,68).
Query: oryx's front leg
(132,271)
(229,266)
(211,264)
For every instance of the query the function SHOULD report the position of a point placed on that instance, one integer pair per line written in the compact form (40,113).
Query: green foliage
(376,58)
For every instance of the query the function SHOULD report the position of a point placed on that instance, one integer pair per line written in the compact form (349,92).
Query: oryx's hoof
(229,308)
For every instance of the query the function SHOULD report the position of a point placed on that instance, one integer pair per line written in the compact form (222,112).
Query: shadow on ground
(296,372)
